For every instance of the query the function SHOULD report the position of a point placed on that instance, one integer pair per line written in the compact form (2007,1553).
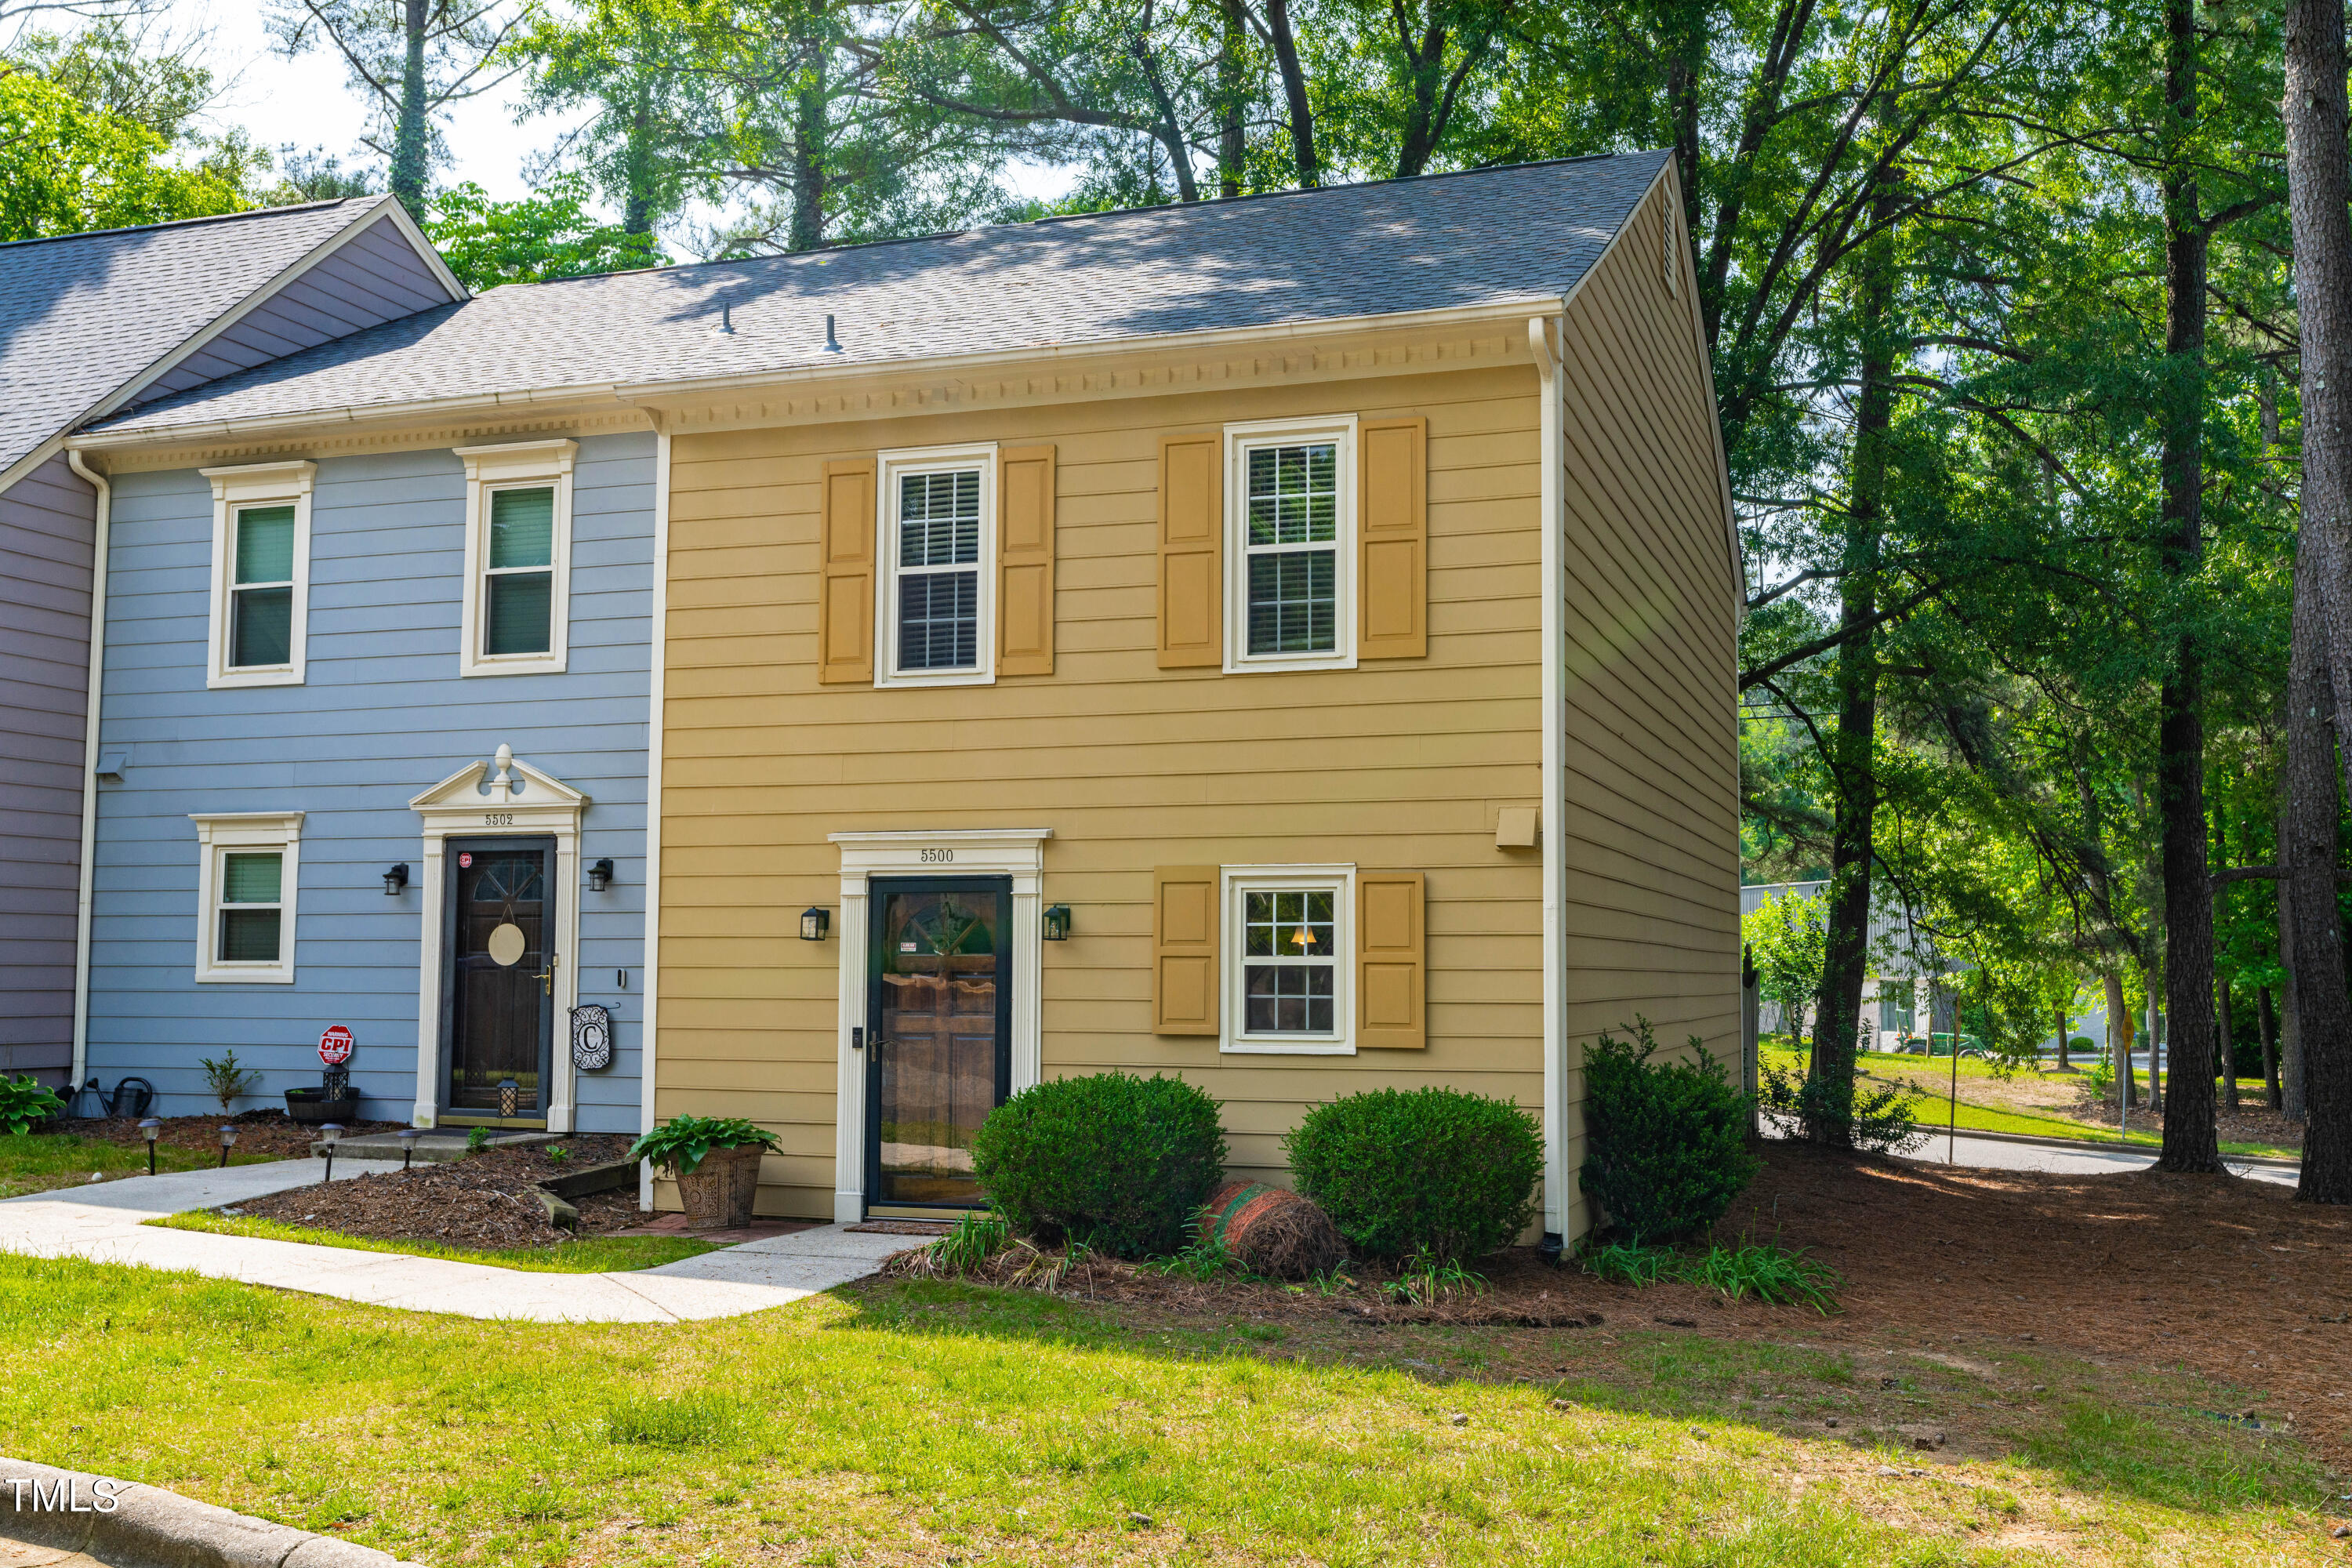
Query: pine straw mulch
(270,1132)
(2251,1122)
(2229,1277)
(483,1200)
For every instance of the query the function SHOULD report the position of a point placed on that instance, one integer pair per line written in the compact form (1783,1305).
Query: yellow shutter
(1191,522)
(845,611)
(1025,551)
(1392,547)
(1184,950)
(1391,994)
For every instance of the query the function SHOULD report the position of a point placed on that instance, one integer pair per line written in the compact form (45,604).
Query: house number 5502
(938,856)
(498,819)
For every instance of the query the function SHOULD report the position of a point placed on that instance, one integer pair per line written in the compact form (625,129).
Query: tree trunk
(2320,668)
(811,147)
(1845,954)
(2229,1051)
(2155,1044)
(1294,94)
(2119,1037)
(2065,1064)
(2266,1020)
(411,139)
(2189,1143)
(1232,101)
(638,211)
(2290,1010)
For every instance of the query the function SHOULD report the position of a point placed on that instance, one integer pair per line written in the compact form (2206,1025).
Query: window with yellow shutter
(1290,544)
(1289,972)
(935,604)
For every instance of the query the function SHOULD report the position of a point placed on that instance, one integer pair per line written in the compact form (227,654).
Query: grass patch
(2105,1447)
(588,1255)
(920,1421)
(45,1162)
(1762,1269)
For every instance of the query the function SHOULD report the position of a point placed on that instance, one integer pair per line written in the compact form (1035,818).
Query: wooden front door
(939,1032)
(499,1032)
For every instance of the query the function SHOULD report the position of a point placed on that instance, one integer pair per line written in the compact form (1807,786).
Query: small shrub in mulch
(1119,1162)
(1431,1173)
(1669,1141)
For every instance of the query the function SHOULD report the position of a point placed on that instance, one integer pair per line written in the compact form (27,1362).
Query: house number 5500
(938,856)
(498,819)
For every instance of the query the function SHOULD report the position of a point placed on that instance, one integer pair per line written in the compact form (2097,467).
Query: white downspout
(90,764)
(646,1053)
(1555,787)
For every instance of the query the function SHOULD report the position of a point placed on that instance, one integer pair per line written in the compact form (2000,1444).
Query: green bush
(25,1102)
(1431,1173)
(1120,1163)
(1669,1143)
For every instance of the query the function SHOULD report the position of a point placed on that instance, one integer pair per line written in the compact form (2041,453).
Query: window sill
(274,675)
(274,976)
(535,665)
(1263,1048)
(945,678)
(1264,664)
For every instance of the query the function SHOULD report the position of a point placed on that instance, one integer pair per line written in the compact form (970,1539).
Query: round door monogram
(506,945)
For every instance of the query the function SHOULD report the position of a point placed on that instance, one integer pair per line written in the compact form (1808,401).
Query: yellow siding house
(1286,643)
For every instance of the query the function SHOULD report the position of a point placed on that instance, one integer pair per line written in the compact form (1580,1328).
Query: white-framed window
(248,863)
(261,573)
(518,604)
(1290,549)
(1289,976)
(935,609)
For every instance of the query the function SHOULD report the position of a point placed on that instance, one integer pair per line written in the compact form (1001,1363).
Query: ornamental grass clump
(1118,1162)
(1432,1175)
(1668,1141)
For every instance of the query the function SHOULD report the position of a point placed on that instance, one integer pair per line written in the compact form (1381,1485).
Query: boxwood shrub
(1668,1143)
(1121,1163)
(1429,1173)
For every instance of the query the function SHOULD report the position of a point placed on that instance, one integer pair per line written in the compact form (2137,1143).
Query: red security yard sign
(335,1045)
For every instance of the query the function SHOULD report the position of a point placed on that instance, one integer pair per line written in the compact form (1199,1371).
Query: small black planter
(311,1107)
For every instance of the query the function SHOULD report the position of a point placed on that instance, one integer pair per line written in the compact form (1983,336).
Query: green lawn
(1936,1103)
(588,1255)
(940,1423)
(41,1161)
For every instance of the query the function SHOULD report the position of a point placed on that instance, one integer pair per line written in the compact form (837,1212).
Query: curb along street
(96,1520)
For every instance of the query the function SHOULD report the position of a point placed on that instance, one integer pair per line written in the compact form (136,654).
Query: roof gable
(87,320)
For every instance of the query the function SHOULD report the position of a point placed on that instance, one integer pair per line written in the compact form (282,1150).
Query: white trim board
(1015,852)
(517,800)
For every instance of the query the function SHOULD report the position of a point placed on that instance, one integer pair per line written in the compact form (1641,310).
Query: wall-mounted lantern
(600,875)
(814,923)
(1057,922)
(395,879)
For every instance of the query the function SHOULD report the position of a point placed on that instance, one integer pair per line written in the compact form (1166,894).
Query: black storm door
(939,1033)
(500,989)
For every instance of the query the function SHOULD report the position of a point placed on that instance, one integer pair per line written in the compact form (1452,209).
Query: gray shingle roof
(83,314)
(1489,237)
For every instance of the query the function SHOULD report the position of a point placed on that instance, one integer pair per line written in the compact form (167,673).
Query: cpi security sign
(335,1045)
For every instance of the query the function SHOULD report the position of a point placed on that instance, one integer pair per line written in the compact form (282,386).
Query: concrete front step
(439,1146)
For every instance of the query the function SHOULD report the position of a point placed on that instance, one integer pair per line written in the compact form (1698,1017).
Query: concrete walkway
(104,1224)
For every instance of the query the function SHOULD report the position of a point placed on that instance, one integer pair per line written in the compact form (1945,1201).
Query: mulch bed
(483,1200)
(271,1133)
(2230,1278)
(2251,1122)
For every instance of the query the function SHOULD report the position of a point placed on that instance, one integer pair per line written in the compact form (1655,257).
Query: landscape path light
(228,1141)
(409,1137)
(331,1131)
(148,1129)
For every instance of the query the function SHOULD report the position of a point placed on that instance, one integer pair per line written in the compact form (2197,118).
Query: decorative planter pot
(719,1191)
(311,1107)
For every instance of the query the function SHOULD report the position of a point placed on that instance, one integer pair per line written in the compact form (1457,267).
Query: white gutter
(648,1052)
(635,393)
(97,575)
(1550,836)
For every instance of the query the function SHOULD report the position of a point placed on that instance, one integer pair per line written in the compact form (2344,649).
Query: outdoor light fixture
(1057,922)
(600,875)
(228,1141)
(148,1129)
(812,924)
(409,1137)
(509,1097)
(395,879)
(330,1132)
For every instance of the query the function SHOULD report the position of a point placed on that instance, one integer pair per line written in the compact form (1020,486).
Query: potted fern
(715,1163)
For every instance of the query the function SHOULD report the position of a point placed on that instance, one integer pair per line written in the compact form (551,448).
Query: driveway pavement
(105,1224)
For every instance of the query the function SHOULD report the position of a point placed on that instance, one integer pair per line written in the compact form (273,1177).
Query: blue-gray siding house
(89,324)
(340,768)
